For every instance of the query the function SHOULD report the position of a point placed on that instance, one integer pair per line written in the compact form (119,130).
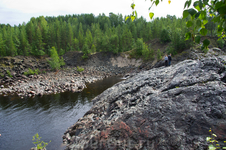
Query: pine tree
(114,43)
(24,47)
(10,46)
(30,32)
(76,44)
(55,61)
(2,46)
(70,36)
(80,36)
(44,31)
(39,43)
(89,39)
(127,40)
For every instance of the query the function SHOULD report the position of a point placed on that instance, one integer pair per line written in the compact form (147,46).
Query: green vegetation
(114,33)
(32,72)
(89,34)
(2,75)
(159,54)
(38,143)
(213,143)
(165,36)
(80,69)
(55,62)
(203,18)
(220,43)
(9,74)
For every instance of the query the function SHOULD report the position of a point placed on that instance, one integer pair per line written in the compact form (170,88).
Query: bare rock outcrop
(163,109)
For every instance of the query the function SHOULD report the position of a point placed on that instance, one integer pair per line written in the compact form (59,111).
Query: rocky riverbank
(97,67)
(48,83)
(162,108)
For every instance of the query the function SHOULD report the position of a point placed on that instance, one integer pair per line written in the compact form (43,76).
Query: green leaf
(206,42)
(132,5)
(203,31)
(127,18)
(208,139)
(189,3)
(205,2)
(185,4)
(200,4)
(189,24)
(156,2)
(205,22)
(218,5)
(192,11)
(222,10)
(135,14)
(220,28)
(196,5)
(202,15)
(211,147)
(133,18)
(187,36)
(197,40)
(216,19)
(197,15)
(151,15)
(185,14)
(198,23)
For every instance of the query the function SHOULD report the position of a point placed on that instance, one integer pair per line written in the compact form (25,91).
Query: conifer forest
(89,34)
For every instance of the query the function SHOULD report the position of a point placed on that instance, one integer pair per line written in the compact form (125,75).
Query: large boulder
(166,108)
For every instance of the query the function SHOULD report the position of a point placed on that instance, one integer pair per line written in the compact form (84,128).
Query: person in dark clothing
(169,59)
(166,61)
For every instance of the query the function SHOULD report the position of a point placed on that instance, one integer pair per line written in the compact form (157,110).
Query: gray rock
(163,108)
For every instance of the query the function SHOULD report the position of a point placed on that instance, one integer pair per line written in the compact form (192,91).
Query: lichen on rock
(162,108)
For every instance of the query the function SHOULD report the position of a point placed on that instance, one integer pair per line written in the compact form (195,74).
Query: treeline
(89,34)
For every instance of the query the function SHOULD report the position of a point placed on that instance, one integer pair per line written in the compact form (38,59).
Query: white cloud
(19,11)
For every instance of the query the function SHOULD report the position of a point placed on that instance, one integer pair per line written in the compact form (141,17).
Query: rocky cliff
(166,108)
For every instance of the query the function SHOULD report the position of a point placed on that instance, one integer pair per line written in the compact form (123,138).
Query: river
(49,116)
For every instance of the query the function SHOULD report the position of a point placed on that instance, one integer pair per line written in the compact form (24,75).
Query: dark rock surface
(166,108)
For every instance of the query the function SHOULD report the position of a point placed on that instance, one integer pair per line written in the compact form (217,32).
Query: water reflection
(49,116)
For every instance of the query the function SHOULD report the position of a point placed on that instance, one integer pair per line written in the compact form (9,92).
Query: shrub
(55,61)
(32,72)
(139,46)
(9,74)
(61,61)
(159,54)
(152,56)
(39,144)
(213,143)
(178,43)
(145,52)
(2,75)
(80,69)
(220,43)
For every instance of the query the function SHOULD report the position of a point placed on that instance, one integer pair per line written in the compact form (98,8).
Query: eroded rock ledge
(161,109)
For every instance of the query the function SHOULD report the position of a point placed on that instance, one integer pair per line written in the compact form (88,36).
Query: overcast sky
(15,12)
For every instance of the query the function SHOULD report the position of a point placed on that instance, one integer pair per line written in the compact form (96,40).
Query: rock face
(166,108)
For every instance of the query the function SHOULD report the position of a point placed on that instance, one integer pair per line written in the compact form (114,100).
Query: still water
(49,116)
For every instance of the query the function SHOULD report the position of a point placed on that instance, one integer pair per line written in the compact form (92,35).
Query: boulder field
(165,108)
